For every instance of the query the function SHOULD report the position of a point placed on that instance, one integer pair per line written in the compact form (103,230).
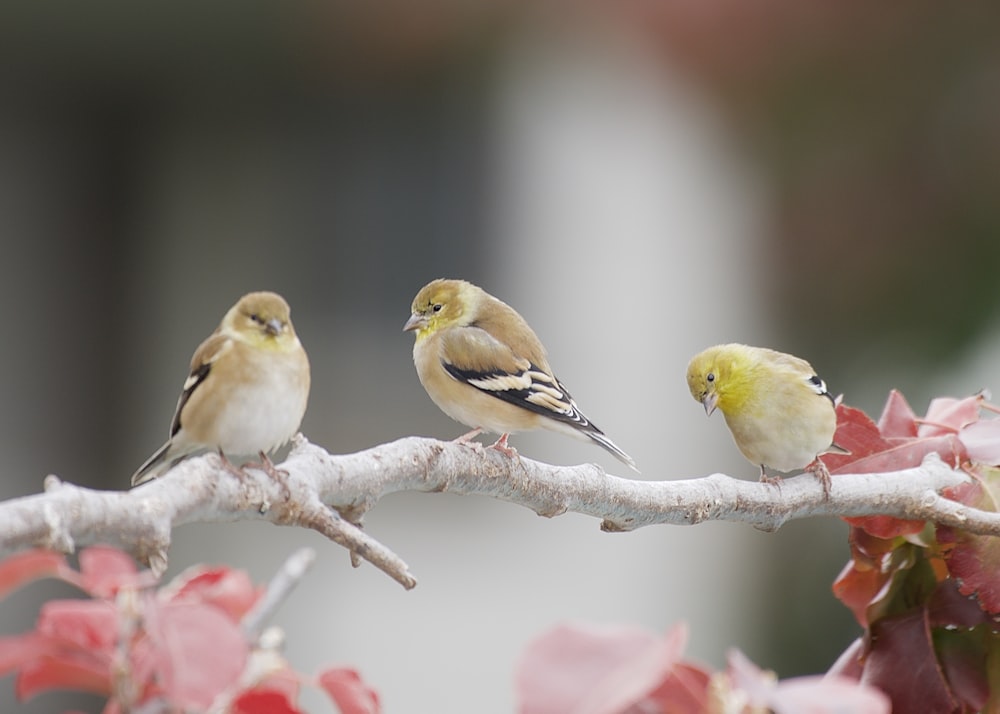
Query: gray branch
(331,493)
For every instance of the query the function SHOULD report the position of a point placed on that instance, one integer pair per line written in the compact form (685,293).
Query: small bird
(247,391)
(484,366)
(779,412)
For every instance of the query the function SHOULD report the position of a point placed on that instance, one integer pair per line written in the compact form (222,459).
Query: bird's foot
(468,436)
(232,468)
(772,480)
(279,476)
(504,448)
(818,469)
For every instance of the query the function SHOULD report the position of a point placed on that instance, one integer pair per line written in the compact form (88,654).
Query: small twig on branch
(284,581)
(320,485)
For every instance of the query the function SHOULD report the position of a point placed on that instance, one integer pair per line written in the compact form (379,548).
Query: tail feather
(154,466)
(599,438)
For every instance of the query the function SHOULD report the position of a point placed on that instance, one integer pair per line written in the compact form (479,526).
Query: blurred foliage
(880,128)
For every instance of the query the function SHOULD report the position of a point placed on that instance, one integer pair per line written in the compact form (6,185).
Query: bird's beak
(415,322)
(274,326)
(709,401)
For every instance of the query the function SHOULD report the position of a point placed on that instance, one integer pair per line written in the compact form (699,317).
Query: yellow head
(262,319)
(441,303)
(716,377)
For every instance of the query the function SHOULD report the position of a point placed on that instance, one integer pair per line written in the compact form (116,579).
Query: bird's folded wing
(473,356)
(201,364)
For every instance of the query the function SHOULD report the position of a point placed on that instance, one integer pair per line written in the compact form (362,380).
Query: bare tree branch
(331,493)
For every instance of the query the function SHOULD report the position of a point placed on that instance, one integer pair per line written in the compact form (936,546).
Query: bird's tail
(154,466)
(600,438)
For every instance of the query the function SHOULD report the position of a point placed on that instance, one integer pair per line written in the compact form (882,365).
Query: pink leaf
(642,675)
(91,625)
(198,651)
(579,667)
(909,453)
(23,568)
(982,441)
(104,570)
(230,590)
(803,695)
(827,695)
(947,415)
(18,650)
(349,692)
(749,678)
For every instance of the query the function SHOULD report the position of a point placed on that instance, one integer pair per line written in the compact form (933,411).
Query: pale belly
(261,416)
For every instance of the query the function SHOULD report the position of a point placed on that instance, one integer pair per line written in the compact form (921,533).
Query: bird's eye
(255,317)
(437,307)
(710,377)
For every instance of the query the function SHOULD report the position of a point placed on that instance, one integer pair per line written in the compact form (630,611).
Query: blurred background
(639,180)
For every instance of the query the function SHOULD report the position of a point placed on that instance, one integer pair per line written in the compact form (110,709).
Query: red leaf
(971,493)
(230,590)
(68,671)
(857,433)
(349,692)
(685,691)
(263,701)
(902,663)
(198,651)
(871,453)
(865,577)
(898,419)
(949,608)
(280,680)
(962,655)
(23,568)
(982,441)
(104,570)
(975,560)
(885,526)
(857,587)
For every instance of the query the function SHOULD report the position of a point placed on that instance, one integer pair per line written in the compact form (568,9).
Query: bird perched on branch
(247,390)
(779,412)
(484,366)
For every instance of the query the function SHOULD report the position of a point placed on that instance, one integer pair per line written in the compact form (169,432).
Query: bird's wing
(473,356)
(204,357)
